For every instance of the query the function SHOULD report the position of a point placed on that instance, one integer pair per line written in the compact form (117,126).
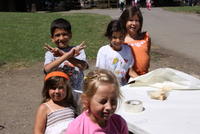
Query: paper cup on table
(133,106)
(158,95)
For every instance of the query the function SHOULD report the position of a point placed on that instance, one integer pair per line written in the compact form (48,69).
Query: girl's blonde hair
(96,78)
(53,82)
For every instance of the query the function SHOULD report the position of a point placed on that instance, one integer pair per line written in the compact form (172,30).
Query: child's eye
(64,34)
(114,102)
(103,101)
(121,37)
(134,20)
(114,37)
(59,34)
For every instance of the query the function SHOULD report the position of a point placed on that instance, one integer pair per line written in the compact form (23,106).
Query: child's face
(133,25)
(103,103)
(61,38)
(117,40)
(58,93)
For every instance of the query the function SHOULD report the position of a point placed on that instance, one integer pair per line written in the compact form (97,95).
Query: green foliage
(185,9)
(22,35)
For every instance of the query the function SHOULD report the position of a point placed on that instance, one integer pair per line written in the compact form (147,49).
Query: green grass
(184,9)
(22,35)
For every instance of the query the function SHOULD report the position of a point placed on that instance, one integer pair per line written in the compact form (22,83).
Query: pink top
(84,125)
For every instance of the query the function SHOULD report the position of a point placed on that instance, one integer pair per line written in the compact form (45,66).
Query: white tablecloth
(178,114)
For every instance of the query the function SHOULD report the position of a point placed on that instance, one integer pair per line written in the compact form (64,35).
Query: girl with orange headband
(58,107)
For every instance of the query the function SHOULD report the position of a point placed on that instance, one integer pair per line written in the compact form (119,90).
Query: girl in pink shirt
(99,99)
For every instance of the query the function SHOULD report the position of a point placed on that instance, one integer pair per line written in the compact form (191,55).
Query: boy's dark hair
(60,23)
(129,13)
(114,26)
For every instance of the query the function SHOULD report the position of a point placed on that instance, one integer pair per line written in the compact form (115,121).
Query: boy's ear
(85,101)
(52,39)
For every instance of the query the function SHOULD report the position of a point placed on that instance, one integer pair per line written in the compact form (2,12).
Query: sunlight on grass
(24,34)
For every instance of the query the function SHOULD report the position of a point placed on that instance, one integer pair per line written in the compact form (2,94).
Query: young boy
(70,59)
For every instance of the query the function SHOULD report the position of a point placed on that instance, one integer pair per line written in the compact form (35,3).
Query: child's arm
(81,64)
(56,51)
(149,46)
(58,61)
(66,56)
(132,73)
(40,120)
(149,53)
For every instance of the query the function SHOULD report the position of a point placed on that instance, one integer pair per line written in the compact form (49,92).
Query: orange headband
(56,73)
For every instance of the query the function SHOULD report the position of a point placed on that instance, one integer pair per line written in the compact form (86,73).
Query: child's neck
(64,47)
(60,103)
(132,36)
(101,123)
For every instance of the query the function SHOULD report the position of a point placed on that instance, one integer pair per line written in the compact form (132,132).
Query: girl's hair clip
(56,73)
(91,77)
(96,76)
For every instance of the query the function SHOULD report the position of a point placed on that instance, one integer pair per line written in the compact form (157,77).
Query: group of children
(126,55)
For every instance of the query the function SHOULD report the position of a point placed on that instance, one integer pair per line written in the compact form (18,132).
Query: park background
(23,35)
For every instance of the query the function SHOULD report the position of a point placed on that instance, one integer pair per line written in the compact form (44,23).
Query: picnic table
(178,113)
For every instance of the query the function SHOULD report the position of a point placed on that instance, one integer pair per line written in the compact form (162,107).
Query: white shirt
(116,61)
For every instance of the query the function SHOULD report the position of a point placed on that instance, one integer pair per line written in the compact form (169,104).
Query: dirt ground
(20,89)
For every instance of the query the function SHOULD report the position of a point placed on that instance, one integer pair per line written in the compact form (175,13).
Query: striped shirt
(58,120)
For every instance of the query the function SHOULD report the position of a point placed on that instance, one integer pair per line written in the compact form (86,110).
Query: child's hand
(75,51)
(56,51)
(79,48)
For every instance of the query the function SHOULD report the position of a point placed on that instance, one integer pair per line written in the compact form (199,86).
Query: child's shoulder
(143,35)
(44,106)
(118,118)
(125,47)
(80,119)
(43,109)
(105,47)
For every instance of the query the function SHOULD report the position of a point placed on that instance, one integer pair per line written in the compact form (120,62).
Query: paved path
(174,31)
